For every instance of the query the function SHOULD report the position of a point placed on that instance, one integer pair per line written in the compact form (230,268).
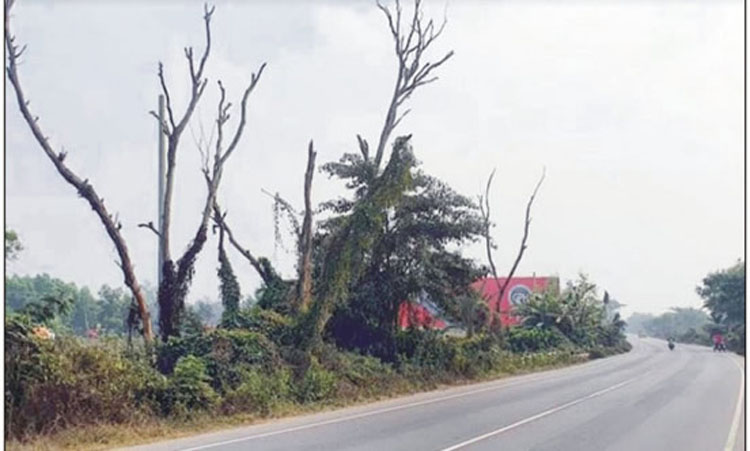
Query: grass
(150,430)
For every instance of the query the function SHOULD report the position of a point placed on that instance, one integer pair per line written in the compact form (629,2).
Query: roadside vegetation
(328,335)
(723,312)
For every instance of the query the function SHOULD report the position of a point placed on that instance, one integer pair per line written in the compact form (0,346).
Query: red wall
(413,314)
(489,290)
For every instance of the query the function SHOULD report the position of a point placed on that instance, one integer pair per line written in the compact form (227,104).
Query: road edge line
(734,429)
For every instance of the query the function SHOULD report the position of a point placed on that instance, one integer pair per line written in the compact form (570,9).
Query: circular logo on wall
(518,294)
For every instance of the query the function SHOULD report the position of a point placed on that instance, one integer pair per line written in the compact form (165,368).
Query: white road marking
(541,377)
(540,415)
(734,430)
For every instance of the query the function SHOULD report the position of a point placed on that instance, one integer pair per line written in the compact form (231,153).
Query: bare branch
(220,220)
(364,148)
(484,208)
(412,73)
(150,225)
(168,100)
(84,188)
(527,223)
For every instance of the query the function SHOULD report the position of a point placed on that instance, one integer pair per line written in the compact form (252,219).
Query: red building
(417,315)
(420,314)
(516,292)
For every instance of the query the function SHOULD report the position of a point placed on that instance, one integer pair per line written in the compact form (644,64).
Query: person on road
(718,342)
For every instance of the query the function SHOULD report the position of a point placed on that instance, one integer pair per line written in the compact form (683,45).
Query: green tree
(413,254)
(723,293)
(12,245)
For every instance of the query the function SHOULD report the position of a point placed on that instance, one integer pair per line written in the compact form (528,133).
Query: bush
(189,387)
(226,354)
(51,385)
(534,339)
(357,372)
(317,384)
(272,324)
(259,392)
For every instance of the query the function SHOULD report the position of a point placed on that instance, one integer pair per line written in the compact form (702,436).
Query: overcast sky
(634,108)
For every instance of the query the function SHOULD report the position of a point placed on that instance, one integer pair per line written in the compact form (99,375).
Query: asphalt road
(649,399)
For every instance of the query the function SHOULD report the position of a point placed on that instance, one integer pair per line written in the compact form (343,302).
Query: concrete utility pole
(161,176)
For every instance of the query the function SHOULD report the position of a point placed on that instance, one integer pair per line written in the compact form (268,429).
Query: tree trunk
(304,267)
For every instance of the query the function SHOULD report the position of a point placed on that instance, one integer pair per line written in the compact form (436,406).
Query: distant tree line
(723,311)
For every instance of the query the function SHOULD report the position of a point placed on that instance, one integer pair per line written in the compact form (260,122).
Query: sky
(633,108)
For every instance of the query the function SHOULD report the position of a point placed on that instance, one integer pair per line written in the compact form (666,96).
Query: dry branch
(413,71)
(84,188)
(484,206)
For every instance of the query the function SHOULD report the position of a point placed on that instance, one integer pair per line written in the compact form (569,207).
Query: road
(649,399)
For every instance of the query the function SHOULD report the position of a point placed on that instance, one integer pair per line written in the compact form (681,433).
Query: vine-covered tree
(413,254)
(723,293)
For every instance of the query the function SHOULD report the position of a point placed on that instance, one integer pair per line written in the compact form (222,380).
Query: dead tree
(484,208)
(176,276)
(301,297)
(259,264)
(413,71)
(85,189)
(305,241)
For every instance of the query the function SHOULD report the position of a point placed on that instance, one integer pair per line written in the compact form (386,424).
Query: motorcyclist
(718,342)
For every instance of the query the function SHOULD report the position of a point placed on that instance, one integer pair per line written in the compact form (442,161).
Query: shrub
(52,385)
(365,373)
(259,392)
(317,384)
(270,323)
(521,339)
(225,352)
(189,387)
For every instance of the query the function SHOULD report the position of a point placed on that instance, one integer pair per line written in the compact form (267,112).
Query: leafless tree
(85,189)
(176,276)
(301,296)
(410,44)
(305,240)
(484,207)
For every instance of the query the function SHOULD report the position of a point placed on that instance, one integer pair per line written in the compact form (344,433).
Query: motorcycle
(671,345)
(720,347)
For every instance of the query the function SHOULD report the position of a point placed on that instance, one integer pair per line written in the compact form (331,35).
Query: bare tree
(305,244)
(85,189)
(301,296)
(176,276)
(484,207)
(413,71)
(257,263)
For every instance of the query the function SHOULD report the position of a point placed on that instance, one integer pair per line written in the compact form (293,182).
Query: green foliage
(723,293)
(13,245)
(275,326)
(229,287)
(352,237)
(534,339)
(408,248)
(275,295)
(317,384)
(577,314)
(52,385)
(107,311)
(259,391)
(226,354)
(189,387)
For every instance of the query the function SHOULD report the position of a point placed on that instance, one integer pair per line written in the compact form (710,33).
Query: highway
(648,399)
